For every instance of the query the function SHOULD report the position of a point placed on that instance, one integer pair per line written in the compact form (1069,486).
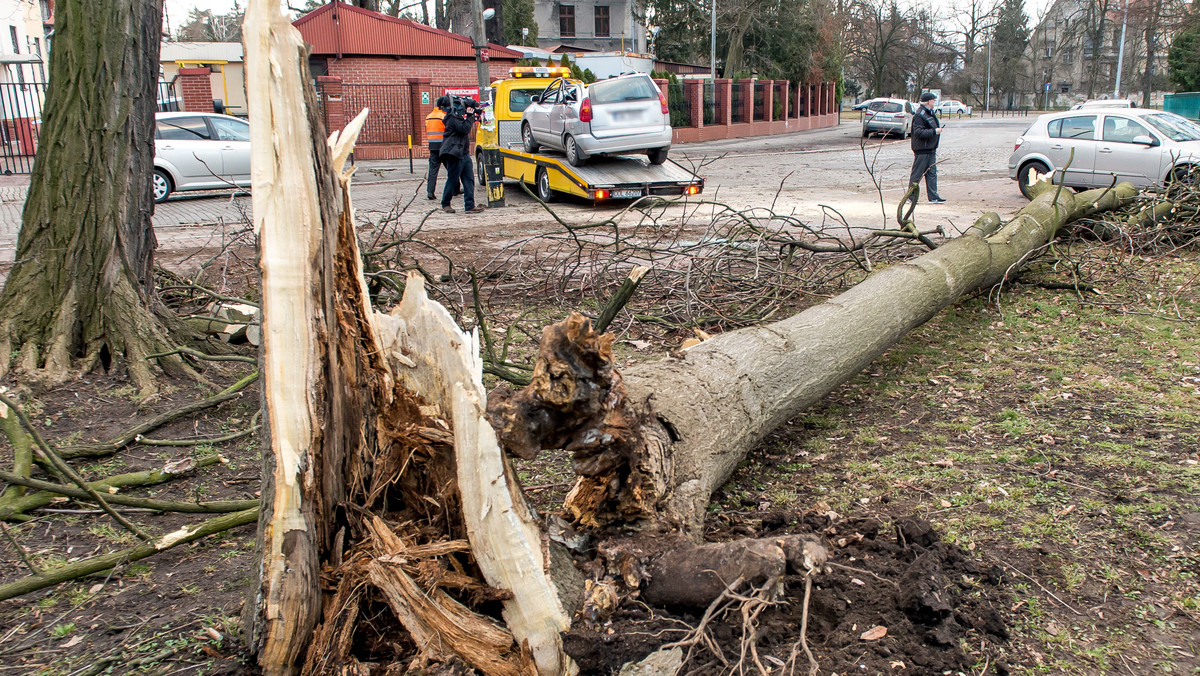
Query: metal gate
(20,124)
(21,121)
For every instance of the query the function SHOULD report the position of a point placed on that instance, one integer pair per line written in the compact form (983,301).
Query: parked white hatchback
(625,114)
(952,106)
(1088,149)
(199,151)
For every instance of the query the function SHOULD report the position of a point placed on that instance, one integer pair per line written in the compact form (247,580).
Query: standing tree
(1184,57)
(205,26)
(81,294)
(518,14)
(1009,41)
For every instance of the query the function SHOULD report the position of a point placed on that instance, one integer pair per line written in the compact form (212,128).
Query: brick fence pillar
(693,91)
(194,86)
(769,100)
(421,91)
(663,87)
(335,107)
(783,90)
(724,94)
(748,99)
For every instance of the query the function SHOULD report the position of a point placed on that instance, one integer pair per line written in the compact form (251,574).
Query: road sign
(1047,86)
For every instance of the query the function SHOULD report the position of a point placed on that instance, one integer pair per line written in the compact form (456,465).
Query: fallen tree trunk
(675,429)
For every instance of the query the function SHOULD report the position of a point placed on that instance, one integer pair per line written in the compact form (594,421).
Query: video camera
(458,105)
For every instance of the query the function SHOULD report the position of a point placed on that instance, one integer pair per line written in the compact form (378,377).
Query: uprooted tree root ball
(928,595)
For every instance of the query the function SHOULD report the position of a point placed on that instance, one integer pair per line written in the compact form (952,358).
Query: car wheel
(542,186)
(575,157)
(162,185)
(480,174)
(531,146)
(866,134)
(658,155)
(1186,175)
(1024,173)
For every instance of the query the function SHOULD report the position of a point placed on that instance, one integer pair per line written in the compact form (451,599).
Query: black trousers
(431,175)
(458,170)
(925,165)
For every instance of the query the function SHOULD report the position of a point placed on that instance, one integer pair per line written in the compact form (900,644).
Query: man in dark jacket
(926,132)
(456,155)
(435,129)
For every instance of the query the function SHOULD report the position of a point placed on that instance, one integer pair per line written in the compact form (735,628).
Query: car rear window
(891,107)
(182,129)
(623,89)
(1078,127)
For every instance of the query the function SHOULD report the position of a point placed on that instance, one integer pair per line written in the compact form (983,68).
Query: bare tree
(879,48)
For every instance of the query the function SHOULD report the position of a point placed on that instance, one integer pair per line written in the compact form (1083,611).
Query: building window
(602,29)
(566,21)
(37,49)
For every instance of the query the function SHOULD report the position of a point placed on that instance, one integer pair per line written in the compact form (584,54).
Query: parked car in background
(888,116)
(1142,146)
(1104,103)
(863,105)
(199,151)
(619,115)
(952,106)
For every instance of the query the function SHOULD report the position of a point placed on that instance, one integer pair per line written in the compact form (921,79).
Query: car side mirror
(536,98)
(1144,140)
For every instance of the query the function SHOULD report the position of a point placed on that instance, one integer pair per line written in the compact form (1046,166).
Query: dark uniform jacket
(924,131)
(457,140)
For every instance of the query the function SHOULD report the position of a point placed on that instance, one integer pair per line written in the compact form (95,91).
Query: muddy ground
(1011,489)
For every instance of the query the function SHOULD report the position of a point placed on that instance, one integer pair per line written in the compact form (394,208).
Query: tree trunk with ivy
(81,293)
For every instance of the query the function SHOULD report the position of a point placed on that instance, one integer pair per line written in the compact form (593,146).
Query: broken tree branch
(74,571)
(67,472)
(216,507)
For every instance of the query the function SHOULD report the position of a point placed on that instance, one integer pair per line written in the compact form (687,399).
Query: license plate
(625,116)
(626,194)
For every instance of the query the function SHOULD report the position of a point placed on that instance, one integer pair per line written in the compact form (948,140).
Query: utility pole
(477,37)
(987,92)
(1121,52)
(712,45)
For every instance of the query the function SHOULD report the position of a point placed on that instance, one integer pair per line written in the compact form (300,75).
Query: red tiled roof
(337,28)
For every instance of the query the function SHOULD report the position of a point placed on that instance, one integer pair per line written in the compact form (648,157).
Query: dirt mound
(930,597)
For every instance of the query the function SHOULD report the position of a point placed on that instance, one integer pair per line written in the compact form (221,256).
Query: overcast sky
(177,10)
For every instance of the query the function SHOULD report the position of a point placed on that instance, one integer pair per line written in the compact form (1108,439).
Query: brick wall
(195,88)
(375,70)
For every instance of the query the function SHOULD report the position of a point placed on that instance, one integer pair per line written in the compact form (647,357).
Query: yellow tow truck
(550,175)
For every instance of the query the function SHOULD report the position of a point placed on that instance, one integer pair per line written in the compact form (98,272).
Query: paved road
(804,174)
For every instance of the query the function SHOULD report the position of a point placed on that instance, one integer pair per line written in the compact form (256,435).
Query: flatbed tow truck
(619,177)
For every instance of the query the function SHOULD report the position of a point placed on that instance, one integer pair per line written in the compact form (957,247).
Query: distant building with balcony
(1073,52)
(598,25)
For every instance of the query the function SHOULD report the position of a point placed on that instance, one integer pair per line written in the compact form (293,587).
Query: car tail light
(601,194)
(585,111)
(663,99)
(693,190)
(1020,140)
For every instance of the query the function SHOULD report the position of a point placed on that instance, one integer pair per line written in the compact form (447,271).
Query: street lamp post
(987,92)
(1121,52)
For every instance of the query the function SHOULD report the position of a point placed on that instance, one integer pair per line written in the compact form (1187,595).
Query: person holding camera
(456,154)
(435,129)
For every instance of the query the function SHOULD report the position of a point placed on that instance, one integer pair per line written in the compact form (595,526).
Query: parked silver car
(620,115)
(888,116)
(1144,147)
(199,151)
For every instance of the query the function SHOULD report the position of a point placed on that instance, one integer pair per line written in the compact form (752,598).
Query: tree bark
(81,291)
